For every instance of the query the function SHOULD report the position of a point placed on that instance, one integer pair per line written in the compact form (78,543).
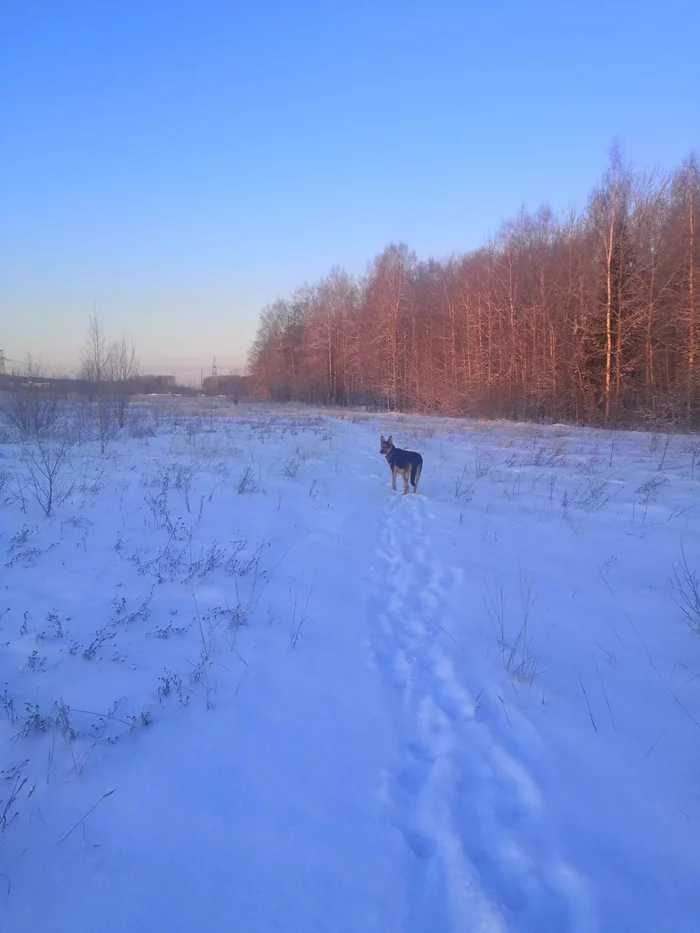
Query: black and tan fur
(406,462)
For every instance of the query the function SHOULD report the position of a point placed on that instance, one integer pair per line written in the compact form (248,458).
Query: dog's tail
(416,468)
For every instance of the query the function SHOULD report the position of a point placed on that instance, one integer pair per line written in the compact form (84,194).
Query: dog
(406,462)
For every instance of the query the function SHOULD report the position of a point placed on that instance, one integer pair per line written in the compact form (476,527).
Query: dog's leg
(406,474)
(416,478)
(393,478)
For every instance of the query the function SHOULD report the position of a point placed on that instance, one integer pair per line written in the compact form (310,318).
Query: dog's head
(385,446)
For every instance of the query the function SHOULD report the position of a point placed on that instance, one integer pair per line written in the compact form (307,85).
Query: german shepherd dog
(406,462)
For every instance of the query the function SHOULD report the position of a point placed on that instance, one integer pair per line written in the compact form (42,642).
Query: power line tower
(213,368)
(3,361)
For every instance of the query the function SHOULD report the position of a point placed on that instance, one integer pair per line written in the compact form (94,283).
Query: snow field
(247,686)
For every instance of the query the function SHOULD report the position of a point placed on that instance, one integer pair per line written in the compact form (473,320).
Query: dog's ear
(388,440)
(383,439)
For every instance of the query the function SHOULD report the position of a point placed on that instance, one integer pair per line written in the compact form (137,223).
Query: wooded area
(590,318)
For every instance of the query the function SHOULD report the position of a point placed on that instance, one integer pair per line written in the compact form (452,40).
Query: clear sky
(179,165)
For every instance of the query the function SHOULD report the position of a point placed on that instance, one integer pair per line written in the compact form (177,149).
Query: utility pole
(3,360)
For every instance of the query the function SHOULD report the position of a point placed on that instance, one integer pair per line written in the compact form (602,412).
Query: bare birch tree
(96,363)
(121,369)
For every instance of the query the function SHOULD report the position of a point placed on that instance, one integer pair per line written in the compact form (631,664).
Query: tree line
(591,317)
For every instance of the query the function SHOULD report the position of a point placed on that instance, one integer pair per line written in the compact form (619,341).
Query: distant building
(151,384)
(232,386)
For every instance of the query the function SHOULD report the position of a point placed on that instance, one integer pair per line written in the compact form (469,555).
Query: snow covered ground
(246,686)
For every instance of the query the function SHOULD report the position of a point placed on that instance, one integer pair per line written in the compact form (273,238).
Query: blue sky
(179,164)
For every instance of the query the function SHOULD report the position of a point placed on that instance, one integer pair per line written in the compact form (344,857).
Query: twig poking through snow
(82,820)
(607,701)
(590,713)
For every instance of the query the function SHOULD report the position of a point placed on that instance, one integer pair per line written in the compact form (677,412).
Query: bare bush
(650,489)
(45,462)
(5,478)
(247,483)
(463,489)
(517,652)
(31,408)
(686,585)
(182,481)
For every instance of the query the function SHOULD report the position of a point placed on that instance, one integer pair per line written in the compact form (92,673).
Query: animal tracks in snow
(480,854)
